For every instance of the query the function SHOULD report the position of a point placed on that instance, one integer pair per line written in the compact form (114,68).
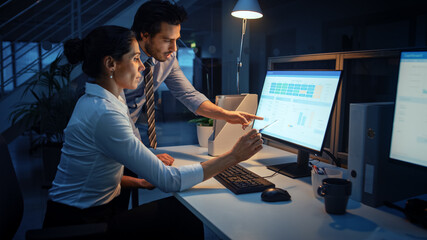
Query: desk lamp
(245,9)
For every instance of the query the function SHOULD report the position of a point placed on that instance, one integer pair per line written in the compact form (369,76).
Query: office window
(7,66)
(49,55)
(26,55)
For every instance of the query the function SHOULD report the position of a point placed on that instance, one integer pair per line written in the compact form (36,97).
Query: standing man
(157,25)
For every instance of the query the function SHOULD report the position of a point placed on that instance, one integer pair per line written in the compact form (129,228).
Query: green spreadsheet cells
(300,90)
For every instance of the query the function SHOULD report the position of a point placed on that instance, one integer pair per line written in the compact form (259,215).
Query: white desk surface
(245,216)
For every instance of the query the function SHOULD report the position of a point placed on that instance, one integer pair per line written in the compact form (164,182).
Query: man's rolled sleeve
(195,102)
(190,175)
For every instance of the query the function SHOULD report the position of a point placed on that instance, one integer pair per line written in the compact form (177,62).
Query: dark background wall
(291,27)
(309,26)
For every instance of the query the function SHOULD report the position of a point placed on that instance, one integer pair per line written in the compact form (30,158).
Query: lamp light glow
(246,14)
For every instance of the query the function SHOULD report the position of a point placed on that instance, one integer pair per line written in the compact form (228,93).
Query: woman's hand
(247,145)
(144,184)
(166,159)
(133,182)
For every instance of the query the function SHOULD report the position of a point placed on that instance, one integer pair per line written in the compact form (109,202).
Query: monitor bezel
(294,145)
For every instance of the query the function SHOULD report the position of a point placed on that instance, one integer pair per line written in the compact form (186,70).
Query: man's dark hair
(152,13)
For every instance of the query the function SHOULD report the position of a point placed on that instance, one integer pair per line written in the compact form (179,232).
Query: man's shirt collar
(144,57)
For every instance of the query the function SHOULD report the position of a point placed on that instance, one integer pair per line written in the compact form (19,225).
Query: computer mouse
(275,195)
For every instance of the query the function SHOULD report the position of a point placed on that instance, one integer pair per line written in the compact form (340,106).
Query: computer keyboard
(241,180)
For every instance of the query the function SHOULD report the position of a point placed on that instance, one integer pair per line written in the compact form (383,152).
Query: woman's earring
(111,76)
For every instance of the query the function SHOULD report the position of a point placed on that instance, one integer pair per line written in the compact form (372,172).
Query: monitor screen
(296,106)
(409,135)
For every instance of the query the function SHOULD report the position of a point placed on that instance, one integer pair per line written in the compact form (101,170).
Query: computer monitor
(409,134)
(298,107)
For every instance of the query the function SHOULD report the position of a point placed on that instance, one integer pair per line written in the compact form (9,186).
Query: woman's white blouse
(98,141)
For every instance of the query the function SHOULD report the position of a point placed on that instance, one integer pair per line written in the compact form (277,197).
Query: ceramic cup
(336,192)
(316,179)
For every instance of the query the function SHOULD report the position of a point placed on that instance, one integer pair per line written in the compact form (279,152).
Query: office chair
(12,209)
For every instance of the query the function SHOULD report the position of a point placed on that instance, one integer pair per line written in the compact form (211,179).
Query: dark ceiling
(52,20)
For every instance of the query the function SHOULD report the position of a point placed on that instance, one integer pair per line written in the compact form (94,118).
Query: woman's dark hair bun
(102,41)
(73,50)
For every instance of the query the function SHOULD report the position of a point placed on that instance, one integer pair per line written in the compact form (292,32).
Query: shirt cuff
(190,175)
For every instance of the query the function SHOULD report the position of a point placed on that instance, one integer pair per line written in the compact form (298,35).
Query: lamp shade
(248,9)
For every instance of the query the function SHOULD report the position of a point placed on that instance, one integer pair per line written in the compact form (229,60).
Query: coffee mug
(336,192)
(316,178)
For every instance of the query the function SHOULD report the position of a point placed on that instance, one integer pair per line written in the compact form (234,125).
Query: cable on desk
(334,159)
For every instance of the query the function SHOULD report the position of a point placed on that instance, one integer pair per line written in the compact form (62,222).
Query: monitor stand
(294,170)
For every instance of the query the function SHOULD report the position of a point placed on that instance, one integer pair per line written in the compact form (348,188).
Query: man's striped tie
(149,98)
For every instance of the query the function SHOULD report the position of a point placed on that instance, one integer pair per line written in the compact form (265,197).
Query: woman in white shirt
(99,140)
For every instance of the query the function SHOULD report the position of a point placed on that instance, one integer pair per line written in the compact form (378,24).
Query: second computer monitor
(409,136)
(298,106)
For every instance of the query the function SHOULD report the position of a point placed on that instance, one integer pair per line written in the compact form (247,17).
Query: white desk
(245,216)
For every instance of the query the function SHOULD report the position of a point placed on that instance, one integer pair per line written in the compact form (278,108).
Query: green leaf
(204,121)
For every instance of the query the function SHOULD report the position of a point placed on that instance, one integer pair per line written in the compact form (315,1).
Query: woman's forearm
(132,182)
(214,166)
(246,147)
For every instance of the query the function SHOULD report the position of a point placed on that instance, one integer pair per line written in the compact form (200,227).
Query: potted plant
(48,114)
(204,130)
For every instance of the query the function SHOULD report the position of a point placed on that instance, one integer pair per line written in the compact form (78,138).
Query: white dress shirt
(98,141)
